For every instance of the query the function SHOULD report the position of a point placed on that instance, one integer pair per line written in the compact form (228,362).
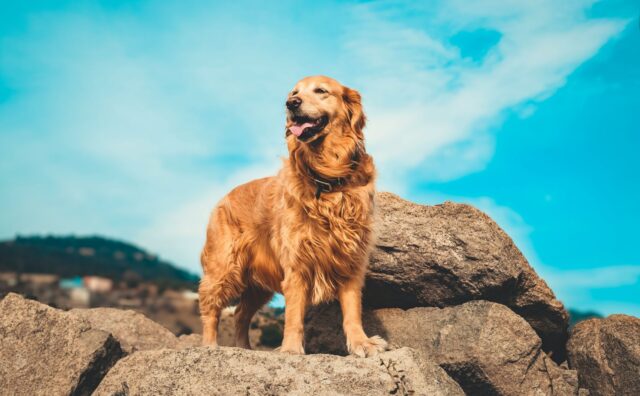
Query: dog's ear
(356,116)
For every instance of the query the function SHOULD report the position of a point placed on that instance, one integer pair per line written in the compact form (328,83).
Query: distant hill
(576,316)
(69,256)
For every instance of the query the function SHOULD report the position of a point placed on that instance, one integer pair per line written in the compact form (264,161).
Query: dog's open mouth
(305,127)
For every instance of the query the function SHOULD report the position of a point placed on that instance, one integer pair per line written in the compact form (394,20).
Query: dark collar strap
(327,185)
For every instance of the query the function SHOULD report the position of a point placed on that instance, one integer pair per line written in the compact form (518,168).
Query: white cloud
(133,124)
(181,231)
(589,288)
(433,100)
(601,277)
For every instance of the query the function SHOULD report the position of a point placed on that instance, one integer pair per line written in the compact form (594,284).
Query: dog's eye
(294,93)
(320,91)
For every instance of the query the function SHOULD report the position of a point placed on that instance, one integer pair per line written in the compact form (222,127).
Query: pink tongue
(298,129)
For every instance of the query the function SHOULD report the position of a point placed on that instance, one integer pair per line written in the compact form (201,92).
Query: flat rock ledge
(232,371)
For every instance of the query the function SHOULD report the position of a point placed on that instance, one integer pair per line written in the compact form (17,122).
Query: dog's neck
(331,163)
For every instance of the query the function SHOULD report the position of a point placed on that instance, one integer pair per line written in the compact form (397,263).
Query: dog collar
(326,185)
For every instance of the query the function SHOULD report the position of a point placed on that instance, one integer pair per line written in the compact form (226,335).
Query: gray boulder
(606,354)
(448,254)
(133,330)
(232,371)
(484,346)
(45,351)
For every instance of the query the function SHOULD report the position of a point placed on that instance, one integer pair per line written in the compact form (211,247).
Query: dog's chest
(335,235)
(345,218)
(326,241)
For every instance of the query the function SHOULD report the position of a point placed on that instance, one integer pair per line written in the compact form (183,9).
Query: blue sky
(131,119)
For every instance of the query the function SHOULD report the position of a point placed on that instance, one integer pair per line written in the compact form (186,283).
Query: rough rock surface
(448,254)
(484,346)
(189,341)
(133,330)
(606,353)
(199,371)
(45,351)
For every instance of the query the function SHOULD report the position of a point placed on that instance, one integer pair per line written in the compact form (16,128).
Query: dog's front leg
(358,344)
(295,297)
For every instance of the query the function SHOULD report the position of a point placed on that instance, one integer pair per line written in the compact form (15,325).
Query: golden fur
(275,235)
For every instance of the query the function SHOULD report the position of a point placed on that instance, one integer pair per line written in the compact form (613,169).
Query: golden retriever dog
(305,233)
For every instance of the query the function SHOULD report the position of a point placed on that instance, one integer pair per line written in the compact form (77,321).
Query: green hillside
(69,256)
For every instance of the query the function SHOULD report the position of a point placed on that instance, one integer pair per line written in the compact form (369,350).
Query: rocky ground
(463,311)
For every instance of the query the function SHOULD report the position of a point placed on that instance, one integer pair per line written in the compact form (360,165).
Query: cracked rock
(204,370)
(484,346)
(45,351)
(606,354)
(448,254)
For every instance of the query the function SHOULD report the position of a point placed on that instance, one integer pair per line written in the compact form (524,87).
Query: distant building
(134,302)
(71,283)
(98,284)
(39,279)
(190,295)
(87,251)
(80,297)
(9,278)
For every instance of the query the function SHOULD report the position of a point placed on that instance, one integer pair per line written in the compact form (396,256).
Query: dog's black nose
(293,103)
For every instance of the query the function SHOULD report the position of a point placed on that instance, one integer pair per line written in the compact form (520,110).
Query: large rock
(484,346)
(448,254)
(606,353)
(133,330)
(45,351)
(232,371)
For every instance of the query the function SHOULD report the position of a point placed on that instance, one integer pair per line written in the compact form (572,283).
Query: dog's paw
(292,349)
(212,345)
(367,346)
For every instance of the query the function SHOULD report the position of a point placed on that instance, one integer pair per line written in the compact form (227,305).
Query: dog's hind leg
(211,304)
(224,260)
(251,300)
(217,289)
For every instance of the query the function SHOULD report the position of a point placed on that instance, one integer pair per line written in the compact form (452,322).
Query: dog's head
(318,106)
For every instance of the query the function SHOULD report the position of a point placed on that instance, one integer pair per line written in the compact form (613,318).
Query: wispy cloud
(592,287)
(182,230)
(602,277)
(134,121)
(434,110)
